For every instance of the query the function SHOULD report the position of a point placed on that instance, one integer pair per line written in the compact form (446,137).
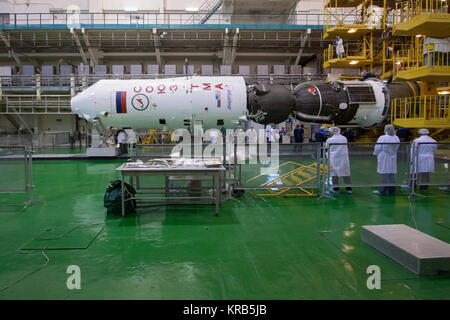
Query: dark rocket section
(338,102)
(270,103)
(403,89)
(323,102)
(332,102)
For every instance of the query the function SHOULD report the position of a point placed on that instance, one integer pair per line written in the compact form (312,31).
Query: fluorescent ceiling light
(130,9)
(354,62)
(191,9)
(444,92)
(418,35)
(353,30)
(398,63)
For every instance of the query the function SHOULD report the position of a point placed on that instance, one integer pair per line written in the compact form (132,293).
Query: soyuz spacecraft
(227,101)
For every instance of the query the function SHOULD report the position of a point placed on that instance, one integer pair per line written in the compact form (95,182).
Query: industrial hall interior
(225,149)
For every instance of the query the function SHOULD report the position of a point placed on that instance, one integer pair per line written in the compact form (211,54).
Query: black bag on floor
(113,198)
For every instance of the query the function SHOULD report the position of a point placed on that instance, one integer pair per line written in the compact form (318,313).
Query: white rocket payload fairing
(170,103)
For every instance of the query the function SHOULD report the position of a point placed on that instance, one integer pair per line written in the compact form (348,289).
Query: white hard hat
(323,128)
(335,130)
(424,132)
(389,129)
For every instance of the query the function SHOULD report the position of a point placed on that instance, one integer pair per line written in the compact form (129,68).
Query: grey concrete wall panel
(170,69)
(279,69)
(118,69)
(225,70)
(262,69)
(28,70)
(207,70)
(100,69)
(65,70)
(296,69)
(152,69)
(83,69)
(245,70)
(48,70)
(188,69)
(135,69)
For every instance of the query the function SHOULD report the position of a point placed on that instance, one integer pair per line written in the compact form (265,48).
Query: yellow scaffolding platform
(299,177)
(421,112)
(350,19)
(425,61)
(356,55)
(430,17)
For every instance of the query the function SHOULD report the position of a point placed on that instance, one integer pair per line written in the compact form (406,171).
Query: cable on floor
(29,273)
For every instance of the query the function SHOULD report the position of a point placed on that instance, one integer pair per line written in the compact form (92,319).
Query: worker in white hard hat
(213,134)
(339,161)
(386,150)
(422,160)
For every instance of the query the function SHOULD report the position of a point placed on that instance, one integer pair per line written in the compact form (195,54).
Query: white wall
(310,5)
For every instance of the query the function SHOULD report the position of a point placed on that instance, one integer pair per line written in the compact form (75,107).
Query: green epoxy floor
(289,248)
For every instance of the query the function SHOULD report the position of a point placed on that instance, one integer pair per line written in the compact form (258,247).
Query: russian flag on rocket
(121,101)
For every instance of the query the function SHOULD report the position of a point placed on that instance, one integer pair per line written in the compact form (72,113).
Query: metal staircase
(206,10)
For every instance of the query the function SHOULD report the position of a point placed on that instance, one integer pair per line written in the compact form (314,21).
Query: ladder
(206,10)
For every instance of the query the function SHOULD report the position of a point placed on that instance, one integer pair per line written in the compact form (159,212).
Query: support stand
(30,186)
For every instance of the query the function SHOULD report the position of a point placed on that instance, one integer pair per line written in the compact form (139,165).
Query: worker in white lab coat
(131,140)
(339,161)
(424,149)
(213,134)
(386,151)
(339,44)
(269,133)
(122,140)
(252,142)
(252,136)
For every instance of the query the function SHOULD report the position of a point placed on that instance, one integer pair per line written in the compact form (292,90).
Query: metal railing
(430,108)
(429,165)
(16,166)
(355,51)
(78,82)
(432,55)
(308,169)
(409,9)
(364,166)
(33,104)
(148,20)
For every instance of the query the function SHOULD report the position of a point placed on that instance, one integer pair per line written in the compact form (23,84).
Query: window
(162,121)
(220,122)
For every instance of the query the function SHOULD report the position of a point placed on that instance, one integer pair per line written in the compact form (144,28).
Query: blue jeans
(388,178)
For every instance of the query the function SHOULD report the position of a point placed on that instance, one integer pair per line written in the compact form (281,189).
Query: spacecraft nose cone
(83,104)
(75,104)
